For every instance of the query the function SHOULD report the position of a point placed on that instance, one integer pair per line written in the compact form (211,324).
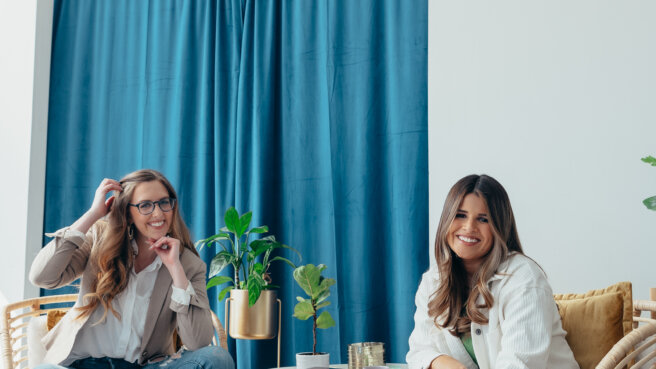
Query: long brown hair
(453,306)
(112,253)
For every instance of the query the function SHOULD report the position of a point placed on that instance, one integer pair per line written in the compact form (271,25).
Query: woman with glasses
(142,279)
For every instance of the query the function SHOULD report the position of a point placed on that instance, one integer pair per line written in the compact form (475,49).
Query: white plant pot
(305,360)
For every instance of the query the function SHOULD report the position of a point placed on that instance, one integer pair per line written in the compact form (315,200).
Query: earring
(131,231)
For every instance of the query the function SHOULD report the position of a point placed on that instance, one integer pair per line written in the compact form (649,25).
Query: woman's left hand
(168,249)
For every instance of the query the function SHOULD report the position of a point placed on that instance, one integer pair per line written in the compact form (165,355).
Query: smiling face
(156,224)
(470,234)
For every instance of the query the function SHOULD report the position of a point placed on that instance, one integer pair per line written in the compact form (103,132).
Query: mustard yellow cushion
(53,318)
(622,287)
(593,325)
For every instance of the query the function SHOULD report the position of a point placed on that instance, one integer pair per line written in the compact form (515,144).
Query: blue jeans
(210,357)
(92,362)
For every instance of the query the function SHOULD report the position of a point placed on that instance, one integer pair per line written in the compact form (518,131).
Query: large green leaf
(254,286)
(324,289)
(244,222)
(278,245)
(260,246)
(218,236)
(217,280)
(326,283)
(231,219)
(223,246)
(322,305)
(650,160)
(209,241)
(243,247)
(260,229)
(650,203)
(325,320)
(257,243)
(307,276)
(219,262)
(322,296)
(303,310)
(269,238)
(224,292)
(258,268)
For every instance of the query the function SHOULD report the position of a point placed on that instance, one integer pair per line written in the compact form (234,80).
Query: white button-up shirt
(121,338)
(524,330)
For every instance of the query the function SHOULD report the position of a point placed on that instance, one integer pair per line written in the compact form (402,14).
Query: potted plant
(650,202)
(317,288)
(252,300)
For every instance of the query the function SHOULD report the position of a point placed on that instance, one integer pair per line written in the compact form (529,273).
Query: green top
(469,346)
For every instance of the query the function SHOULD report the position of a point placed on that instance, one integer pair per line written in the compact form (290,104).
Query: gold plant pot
(257,322)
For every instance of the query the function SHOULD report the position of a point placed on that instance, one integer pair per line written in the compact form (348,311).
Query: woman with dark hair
(141,280)
(485,304)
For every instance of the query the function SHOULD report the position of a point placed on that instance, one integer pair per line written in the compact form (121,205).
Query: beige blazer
(65,259)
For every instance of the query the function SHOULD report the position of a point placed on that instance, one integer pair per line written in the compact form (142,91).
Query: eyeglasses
(147,207)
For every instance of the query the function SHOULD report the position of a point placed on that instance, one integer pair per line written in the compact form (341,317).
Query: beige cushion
(595,321)
(36,329)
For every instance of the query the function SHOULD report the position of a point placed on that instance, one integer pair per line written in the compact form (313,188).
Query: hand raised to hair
(446,362)
(100,205)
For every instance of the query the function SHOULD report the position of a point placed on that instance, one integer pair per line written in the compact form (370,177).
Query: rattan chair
(15,319)
(639,346)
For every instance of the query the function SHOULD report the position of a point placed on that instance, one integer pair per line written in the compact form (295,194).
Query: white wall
(556,100)
(25,26)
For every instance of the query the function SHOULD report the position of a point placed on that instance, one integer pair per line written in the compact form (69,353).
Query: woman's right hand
(446,362)
(100,205)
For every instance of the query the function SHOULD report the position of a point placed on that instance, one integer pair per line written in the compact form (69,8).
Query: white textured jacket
(523,331)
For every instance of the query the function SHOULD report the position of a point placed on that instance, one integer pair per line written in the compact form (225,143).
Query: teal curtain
(312,114)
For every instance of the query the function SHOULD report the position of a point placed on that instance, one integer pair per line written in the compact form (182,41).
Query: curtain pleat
(312,114)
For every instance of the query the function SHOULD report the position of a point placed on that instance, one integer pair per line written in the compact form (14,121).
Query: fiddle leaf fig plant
(650,202)
(317,288)
(250,257)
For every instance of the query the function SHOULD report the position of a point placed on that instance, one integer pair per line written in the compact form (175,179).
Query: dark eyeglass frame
(159,203)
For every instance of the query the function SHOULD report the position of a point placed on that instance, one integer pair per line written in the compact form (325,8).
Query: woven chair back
(14,320)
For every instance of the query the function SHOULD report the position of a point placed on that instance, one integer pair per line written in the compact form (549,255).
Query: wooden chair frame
(641,340)
(16,316)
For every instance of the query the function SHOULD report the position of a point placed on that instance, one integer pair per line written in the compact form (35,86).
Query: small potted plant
(650,202)
(317,288)
(253,313)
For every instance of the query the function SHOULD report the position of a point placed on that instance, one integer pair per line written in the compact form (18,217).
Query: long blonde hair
(453,306)
(112,253)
